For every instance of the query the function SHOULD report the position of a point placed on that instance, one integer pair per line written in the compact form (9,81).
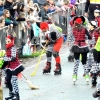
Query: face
(96,14)
(31,3)
(46,7)
(7,14)
(35,8)
(8,41)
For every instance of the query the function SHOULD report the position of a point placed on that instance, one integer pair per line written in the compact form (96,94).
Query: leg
(90,61)
(8,78)
(95,67)
(58,65)
(56,50)
(48,64)
(15,87)
(76,64)
(86,71)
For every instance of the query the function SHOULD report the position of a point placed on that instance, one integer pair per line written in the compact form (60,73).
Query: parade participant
(13,68)
(70,38)
(90,6)
(54,37)
(97,16)
(80,47)
(92,26)
(96,54)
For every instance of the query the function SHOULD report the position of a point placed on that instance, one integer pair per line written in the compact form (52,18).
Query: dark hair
(46,4)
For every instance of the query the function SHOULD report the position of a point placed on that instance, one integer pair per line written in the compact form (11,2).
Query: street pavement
(54,87)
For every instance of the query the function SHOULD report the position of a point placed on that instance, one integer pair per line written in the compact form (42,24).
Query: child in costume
(70,38)
(96,54)
(80,46)
(54,37)
(97,16)
(92,26)
(13,68)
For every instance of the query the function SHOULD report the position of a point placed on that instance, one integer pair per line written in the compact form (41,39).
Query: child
(97,16)
(80,46)
(91,27)
(96,54)
(13,68)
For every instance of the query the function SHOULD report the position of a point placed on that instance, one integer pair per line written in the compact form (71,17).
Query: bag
(26,50)
(35,29)
(58,28)
(97,46)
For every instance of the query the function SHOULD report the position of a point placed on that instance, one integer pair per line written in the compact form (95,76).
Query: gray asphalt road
(53,87)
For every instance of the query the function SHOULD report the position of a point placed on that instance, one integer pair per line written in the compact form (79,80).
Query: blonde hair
(5,12)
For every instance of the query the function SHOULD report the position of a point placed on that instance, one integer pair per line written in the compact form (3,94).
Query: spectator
(30,4)
(36,11)
(9,20)
(8,4)
(43,12)
(1,7)
(52,7)
(91,5)
(41,2)
(2,21)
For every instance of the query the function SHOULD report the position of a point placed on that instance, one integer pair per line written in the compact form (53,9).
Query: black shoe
(16,97)
(11,95)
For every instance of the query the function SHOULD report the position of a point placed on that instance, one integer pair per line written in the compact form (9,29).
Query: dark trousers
(91,15)
(9,84)
(96,55)
(84,57)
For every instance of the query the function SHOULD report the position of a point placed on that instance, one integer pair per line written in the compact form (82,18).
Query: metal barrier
(3,32)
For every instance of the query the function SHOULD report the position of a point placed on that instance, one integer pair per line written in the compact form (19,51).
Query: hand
(15,7)
(49,18)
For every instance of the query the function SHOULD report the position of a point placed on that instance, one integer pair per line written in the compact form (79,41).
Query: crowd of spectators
(17,13)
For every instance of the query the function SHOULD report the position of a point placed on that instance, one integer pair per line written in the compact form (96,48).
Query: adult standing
(91,5)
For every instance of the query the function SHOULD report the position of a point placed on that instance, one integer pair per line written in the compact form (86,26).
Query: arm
(13,55)
(87,33)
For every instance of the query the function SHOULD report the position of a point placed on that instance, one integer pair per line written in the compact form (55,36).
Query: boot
(11,95)
(16,97)
(58,69)
(47,69)
(87,78)
(94,79)
(74,79)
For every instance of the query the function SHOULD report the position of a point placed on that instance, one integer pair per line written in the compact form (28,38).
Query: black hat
(83,19)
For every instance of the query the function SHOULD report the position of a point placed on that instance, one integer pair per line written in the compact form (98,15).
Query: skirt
(77,49)
(16,71)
